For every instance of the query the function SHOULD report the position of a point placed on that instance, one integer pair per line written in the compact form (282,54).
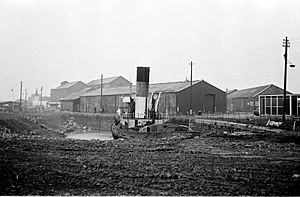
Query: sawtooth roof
(158,87)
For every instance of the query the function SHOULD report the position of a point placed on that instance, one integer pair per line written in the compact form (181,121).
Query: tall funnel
(142,89)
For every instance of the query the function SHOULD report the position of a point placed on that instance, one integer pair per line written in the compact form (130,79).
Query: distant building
(72,101)
(65,89)
(117,81)
(247,100)
(10,106)
(35,100)
(175,97)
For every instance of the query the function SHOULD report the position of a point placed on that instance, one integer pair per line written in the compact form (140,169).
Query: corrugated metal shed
(76,95)
(158,87)
(171,86)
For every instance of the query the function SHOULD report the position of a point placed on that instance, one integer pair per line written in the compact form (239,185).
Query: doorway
(209,103)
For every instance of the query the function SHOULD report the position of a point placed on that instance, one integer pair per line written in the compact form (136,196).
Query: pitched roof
(158,87)
(249,92)
(171,86)
(105,81)
(76,95)
(231,91)
(68,84)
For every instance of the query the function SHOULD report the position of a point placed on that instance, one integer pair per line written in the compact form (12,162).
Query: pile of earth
(26,126)
(44,163)
(52,124)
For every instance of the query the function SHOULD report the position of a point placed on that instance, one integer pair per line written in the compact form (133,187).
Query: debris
(296,175)
(273,123)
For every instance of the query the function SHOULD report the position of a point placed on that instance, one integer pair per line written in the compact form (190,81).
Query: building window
(280,105)
(268,105)
(262,105)
(274,105)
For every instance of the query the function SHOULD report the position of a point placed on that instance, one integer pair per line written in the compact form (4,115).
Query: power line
(294,52)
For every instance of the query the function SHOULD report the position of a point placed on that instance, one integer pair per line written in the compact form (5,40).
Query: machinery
(140,117)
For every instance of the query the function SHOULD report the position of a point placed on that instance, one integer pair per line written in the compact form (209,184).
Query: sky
(233,44)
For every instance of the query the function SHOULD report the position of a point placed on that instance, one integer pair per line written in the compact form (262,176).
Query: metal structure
(146,120)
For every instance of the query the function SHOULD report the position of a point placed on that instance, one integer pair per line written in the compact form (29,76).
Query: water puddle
(93,135)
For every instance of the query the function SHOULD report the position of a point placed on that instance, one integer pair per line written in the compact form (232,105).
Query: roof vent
(64,83)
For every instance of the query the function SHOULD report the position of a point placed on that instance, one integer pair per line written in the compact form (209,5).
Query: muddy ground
(37,159)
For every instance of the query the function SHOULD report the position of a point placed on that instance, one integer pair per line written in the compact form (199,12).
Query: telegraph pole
(41,102)
(25,98)
(21,96)
(191,90)
(285,45)
(12,98)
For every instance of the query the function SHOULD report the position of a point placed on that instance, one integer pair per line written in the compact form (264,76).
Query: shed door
(209,103)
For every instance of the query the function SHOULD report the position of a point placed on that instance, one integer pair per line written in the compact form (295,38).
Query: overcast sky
(233,44)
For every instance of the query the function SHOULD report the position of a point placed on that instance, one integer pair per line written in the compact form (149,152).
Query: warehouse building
(117,81)
(247,100)
(72,101)
(175,98)
(65,89)
(66,96)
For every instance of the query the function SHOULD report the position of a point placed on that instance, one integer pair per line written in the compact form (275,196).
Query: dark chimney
(142,81)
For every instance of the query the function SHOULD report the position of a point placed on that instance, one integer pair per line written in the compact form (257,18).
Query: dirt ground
(37,159)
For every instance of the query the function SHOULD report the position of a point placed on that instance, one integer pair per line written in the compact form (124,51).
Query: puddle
(95,135)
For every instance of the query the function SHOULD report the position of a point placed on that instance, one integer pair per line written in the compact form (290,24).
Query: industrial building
(65,89)
(247,100)
(175,98)
(117,81)
(72,101)
(66,96)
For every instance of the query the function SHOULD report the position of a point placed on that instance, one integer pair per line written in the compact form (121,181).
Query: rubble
(72,126)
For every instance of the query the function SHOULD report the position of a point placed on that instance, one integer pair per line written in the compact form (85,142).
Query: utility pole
(25,98)
(285,45)
(191,90)
(21,96)
(41,102)
(12,98)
